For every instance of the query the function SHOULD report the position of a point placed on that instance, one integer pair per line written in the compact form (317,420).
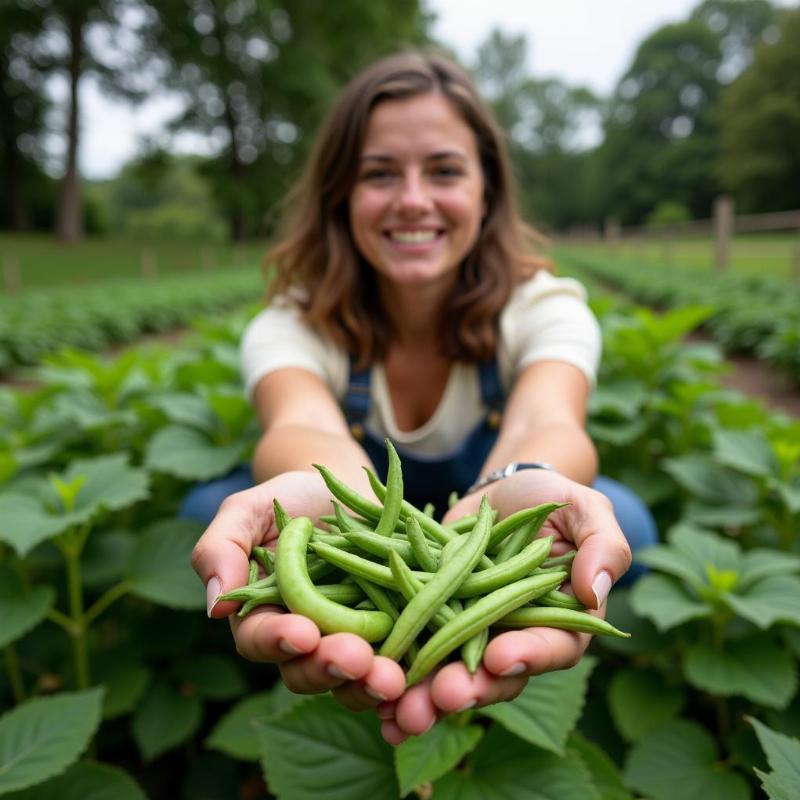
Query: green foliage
(668,213)
(760,116)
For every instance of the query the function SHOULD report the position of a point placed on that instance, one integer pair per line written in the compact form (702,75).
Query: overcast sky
(583,42)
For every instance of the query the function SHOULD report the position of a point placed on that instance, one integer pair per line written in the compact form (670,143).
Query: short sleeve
(548,319)
(277,337)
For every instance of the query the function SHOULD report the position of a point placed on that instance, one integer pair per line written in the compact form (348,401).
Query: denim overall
(428,479)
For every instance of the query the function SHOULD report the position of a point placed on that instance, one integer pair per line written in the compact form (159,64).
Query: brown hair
(316,252)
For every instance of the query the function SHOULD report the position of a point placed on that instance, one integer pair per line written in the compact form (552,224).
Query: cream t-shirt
(546,318)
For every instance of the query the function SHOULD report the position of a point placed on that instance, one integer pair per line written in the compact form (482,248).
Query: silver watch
(504,472)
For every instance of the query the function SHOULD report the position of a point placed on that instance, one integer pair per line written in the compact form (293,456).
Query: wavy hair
(315,252)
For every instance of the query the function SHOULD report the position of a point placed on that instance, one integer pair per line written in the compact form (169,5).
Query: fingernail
(213,591)
(374,694)
(289,648)
(433,722)
(601,587)
(514,669)
(470,704)
(337,672)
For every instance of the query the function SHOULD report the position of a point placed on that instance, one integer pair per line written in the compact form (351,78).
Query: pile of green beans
(417,589)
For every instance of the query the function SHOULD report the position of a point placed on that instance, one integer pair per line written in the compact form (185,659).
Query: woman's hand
(308,661)
(586,524)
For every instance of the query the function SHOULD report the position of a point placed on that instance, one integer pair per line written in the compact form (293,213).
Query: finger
(533,651)
(269,634)
(455,689)
(415,712)
(392,733)
(384,682)
(221,556)
(339,657)
(604,554)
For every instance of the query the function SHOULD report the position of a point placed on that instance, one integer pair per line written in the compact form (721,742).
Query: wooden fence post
(11,278)
(149,264)
(723,231)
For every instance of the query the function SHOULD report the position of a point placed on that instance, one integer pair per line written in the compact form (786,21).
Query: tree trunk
(69,222)
(19,215)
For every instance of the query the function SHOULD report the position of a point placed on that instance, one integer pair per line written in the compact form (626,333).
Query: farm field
(107,623)
(42,262)
(774,255)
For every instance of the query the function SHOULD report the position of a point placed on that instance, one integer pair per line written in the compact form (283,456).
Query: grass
(763,254)
(40,261)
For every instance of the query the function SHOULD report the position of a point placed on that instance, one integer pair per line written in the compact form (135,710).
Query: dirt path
(752,377)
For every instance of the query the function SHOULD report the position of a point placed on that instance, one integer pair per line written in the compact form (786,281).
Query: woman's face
(417,204)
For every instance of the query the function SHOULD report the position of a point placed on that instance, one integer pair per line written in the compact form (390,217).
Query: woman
(408,301)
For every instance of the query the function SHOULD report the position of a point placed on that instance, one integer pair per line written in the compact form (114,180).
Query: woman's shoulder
(542,285)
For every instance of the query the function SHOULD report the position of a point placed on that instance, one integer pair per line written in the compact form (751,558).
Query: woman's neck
(414,314)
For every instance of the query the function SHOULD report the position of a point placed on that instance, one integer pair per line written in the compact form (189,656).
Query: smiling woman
(410,302)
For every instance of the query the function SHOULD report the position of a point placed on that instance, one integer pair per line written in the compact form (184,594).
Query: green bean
(556,599)
(409,587)
(516,541)
(302,597)
(452,499)
(352,499)
(473,649)
(430,599)
(333,539)
(564,561)
(481,614)
(339,592)
(381,546)
(462,525)
(379,597)
(564,618)
(355,565)
(429,509)
(282,519)
(508,525)
(420,549)
(394,493)
(346,523)
(252,575)
(265,557)
(516,568)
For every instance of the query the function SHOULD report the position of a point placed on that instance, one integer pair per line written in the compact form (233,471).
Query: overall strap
(356,401)
(491,392)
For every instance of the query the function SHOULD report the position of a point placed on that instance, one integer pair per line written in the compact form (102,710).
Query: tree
(256,76)
(760,130)
(23,104)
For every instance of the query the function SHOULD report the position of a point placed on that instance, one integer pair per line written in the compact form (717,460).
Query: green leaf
(680,759)
(771,600)
(110,484)
(783,756)
(503,766)
(670,560)
(754,667)
(706,549)
(422,759)
(235,733)
(617,432)
(164,720)
(546,711)
(187,410)
(713,483)
(623,397)
(21,610)
(125,686)
(606,776)
(318,748)
(665,602)
(160,569)
(42,737)
(790,494)
(632,690)
(762,563)
(104,557)
(216,677)
(24,522)
(645,638)
(85,780)
(190,454)
(745,451)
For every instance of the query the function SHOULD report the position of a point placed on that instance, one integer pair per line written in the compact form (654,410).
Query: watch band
(504,472)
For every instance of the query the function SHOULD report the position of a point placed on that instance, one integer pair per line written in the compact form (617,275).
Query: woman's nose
(413,195)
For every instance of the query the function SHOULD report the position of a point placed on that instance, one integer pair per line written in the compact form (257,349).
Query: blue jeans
(637,523)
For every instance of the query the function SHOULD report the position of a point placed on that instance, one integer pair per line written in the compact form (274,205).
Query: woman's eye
(447,171)
(376,175)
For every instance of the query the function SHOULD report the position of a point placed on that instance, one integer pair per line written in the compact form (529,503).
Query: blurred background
(144,138)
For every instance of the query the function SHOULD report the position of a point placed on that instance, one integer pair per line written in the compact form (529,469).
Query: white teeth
(413,237)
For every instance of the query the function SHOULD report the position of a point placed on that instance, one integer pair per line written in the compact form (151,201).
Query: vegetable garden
(115,684)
